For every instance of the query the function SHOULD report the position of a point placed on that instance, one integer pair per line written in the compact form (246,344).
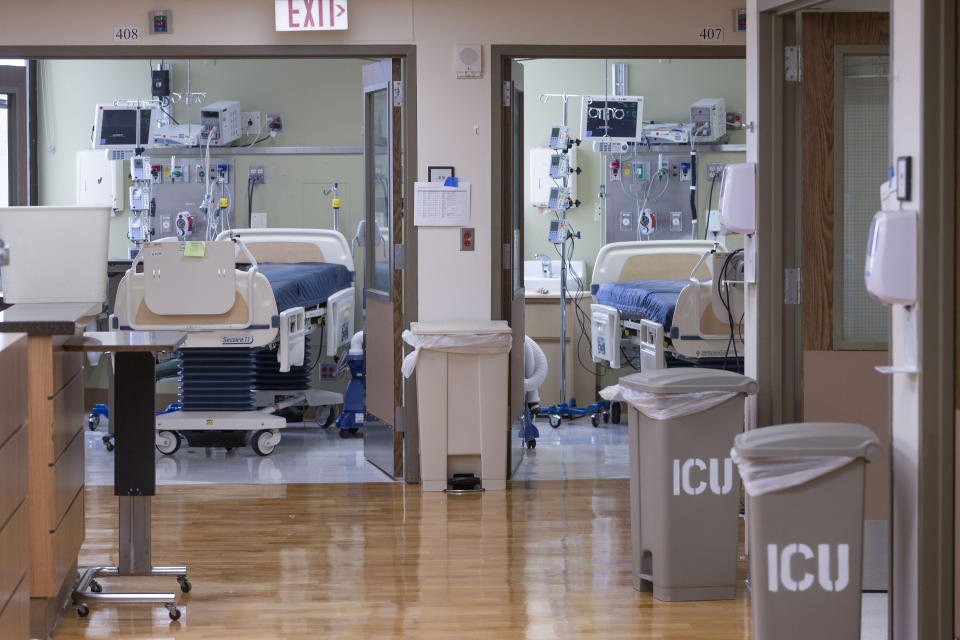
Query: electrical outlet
(274,122)
(257,174)
(165,224)
(258,220)
(714,170)
(251,122)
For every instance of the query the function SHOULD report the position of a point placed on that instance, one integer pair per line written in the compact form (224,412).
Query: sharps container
(805,490)
(684,492)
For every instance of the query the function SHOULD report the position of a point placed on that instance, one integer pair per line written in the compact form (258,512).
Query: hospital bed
(663,303)
(249,302)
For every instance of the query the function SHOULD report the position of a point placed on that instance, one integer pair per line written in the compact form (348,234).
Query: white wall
(453,115)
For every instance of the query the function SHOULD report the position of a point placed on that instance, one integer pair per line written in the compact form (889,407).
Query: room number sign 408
(126,34)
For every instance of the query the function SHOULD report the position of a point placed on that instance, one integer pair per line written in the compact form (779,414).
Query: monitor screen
(620,118)
(119,127)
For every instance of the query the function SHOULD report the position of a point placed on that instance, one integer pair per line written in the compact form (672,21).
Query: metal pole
(563,285)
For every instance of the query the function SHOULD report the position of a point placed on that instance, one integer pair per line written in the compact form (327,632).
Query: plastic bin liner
(665,406)
(766,475)
(475,343)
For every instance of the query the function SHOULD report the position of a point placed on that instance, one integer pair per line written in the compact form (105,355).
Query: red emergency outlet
(466,239)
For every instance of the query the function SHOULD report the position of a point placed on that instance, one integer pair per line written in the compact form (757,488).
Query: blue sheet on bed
(654,300)
(305,284)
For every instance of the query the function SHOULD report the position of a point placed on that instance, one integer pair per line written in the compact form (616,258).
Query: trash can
(462,373)
(805,485)
(684,495)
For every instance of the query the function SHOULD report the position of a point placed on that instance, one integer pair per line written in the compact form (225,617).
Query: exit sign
(310,15)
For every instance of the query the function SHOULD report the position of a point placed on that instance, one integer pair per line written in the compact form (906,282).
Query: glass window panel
(380,153)
(864,157)
(4,152)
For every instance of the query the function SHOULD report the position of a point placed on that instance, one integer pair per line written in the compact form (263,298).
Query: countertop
(126,341)
(571,295)
(47,319)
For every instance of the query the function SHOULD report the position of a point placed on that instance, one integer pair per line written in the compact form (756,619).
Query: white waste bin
(462,374)
(805,485)
(684,494)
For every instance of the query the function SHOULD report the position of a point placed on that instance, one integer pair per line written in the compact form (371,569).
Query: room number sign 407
(710,34)
(126,34)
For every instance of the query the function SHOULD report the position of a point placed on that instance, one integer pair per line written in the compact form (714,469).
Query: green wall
(668,87)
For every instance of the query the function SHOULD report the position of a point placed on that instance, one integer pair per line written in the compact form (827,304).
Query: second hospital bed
(249,303)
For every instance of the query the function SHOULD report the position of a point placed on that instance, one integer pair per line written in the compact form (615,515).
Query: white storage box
(57,254)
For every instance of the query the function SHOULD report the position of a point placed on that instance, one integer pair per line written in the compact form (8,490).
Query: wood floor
(541,560)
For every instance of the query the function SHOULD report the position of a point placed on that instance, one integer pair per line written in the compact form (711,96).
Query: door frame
(406,52)
(14,82)
(928,473)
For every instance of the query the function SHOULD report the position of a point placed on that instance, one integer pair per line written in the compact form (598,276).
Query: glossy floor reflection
(577,450)
(377,560)
(305,455)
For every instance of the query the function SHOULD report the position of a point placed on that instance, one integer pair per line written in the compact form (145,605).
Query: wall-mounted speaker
(469,61)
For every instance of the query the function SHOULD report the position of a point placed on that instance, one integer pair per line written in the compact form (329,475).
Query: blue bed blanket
(654,300)
(305,284)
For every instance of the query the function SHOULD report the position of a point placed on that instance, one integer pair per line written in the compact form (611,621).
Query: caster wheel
(185,585)
(83,610)
(264,442)
(109,445)
(93,421)
(325,415)
(531,444)
(174,612)
(168,442)
(96,587)
(615,413)
(554,421)
(228,449)
(595,420)
(606,416)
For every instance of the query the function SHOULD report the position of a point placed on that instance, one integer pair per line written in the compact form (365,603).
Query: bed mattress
(654,300)
(305,284)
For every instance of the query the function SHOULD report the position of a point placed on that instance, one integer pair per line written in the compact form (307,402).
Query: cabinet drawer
(13,473)
(66,364)
(15,618)
(13,385)
(68,476)
(13,553)
(68,415)
(68,539)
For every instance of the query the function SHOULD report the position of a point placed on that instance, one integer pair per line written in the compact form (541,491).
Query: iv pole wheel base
(595,420)
(554,421)
(531,444)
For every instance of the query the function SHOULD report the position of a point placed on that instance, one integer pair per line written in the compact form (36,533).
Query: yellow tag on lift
(223,203)
(194,249)
(336,203)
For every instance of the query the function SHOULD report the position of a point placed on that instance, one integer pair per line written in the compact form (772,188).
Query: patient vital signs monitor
(618,119)
(124,128)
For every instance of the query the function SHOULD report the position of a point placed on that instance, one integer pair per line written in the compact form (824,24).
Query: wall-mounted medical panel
(648,196)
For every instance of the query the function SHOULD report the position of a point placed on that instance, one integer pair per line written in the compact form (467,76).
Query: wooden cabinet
(542,323)
(55,388)
(14,511)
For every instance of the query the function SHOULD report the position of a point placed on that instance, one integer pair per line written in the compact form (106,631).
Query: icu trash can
(684,494)
(805,490)
(462,373)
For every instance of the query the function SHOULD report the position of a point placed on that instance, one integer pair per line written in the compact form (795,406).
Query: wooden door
(512,243)
(382,287)
(845,155)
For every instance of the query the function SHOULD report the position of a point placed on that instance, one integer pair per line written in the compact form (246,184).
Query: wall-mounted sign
(310,15)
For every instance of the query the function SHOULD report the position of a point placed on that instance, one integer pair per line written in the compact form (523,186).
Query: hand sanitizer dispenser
(738,202)
(891,268)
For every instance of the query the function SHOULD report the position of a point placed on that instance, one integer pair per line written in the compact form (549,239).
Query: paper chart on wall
(438,206)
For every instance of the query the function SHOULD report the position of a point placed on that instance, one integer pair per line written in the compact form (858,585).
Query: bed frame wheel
(261,442)
(168,442)
(606,416)
(554,421)
(615,413)
(595,420)
(325,415)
